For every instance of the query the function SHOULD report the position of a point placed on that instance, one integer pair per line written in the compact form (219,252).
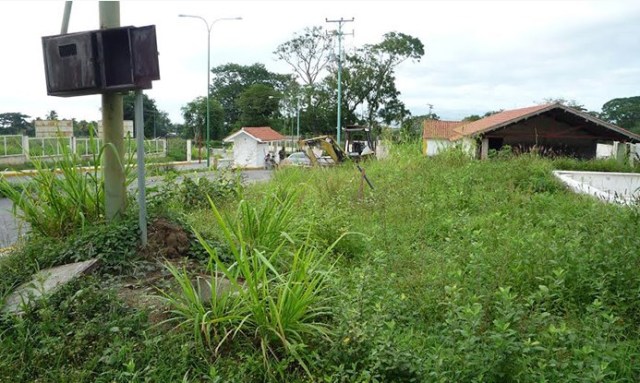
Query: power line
(340,34)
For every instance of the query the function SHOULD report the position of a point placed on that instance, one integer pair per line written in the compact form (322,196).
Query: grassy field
(450,270)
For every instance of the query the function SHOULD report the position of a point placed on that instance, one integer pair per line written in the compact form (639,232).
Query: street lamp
(209,27)
(298,118)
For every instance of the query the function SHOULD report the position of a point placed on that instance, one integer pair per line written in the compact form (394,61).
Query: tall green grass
(61,197)
(274,297)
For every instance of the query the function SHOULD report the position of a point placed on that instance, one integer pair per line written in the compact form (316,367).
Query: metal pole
(339,77)
(112,115)
(340,22)
(298,128)
(139,120)
(209,27)
(208,82)
(65,17)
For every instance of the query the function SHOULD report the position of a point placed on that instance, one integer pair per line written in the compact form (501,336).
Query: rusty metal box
(107,60)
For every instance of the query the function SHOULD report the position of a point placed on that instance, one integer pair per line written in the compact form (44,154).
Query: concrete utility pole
(340,34)
(112,115)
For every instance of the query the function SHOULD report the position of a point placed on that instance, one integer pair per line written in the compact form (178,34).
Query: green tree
(14,123)
(563,101)
(156,122)
(195,123)
(230,80)
(412,126)
(52,115)
(307,53)
(369,77)
(259,105)
(624,112)
(472,117)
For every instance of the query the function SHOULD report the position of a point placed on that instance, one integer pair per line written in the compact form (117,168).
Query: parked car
(296,159)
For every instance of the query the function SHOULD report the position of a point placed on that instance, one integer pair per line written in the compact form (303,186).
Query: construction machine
(358,145)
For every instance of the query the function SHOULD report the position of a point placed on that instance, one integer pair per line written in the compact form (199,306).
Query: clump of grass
(61,198)
(275,298)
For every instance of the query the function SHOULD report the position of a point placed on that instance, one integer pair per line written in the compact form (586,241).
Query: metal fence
(15,146)
(11,146)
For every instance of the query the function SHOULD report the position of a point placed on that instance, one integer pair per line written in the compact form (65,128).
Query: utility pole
(340,34)
(112,115)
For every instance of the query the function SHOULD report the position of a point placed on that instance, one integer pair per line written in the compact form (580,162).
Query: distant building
(251,145)
(53,128)
(127,127)
(552,128)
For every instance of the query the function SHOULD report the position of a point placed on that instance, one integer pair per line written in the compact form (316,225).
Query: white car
(296,159)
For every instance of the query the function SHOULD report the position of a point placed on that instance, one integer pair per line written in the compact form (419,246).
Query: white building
(251,145)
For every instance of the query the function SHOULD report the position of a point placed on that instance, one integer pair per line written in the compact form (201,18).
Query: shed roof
(259,133)
(439,129)
(499,120)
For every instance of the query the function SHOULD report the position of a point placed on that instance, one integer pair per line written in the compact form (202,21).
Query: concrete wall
(246,152)
(611,187)
(127,126)
(53,128)
(433,146)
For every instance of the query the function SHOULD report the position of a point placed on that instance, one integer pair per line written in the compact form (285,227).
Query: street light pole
(339,34)
(209,27)
(298,124)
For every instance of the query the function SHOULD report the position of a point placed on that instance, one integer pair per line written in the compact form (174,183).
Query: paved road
(10,228)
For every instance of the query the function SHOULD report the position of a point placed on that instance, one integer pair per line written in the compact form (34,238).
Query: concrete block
(46,282)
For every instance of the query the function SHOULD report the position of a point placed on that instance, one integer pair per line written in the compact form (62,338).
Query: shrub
(61,199)
(278,309)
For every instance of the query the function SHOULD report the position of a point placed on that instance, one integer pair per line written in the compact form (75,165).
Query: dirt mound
(166,239)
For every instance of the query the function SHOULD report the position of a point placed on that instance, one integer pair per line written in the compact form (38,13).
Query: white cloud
(480,55)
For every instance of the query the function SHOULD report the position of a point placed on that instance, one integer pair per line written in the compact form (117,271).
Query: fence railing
(39,147)
(11,146)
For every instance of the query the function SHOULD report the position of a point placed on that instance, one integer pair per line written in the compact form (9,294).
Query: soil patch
(166,239)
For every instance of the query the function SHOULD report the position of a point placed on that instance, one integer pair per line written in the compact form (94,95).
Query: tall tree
(369,77)
(156,122)
(52,115)
(230,80)
(307,53)
(259,105)
(624,112)
(14,123)
(195,123)
(563,101)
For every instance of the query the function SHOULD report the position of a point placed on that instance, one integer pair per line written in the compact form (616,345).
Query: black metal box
(107,60)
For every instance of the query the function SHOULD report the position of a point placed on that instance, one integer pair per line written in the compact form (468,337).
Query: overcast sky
(479,55)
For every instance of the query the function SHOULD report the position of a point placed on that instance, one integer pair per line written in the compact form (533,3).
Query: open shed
(552,128)
(251,145)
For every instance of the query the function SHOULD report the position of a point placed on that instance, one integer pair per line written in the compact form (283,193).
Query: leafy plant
(281,311)
(61,199)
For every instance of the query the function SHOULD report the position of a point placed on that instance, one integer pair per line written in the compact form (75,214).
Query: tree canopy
(259,105)
(231,80)
(624,112)
(156,122)
(308,53)
(195,123)
(14,123)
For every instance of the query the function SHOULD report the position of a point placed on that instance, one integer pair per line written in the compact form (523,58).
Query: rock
(202,285)
(46,282)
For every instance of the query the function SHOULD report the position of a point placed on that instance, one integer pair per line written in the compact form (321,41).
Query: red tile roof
(264,133)
(439,129)
(497,120)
